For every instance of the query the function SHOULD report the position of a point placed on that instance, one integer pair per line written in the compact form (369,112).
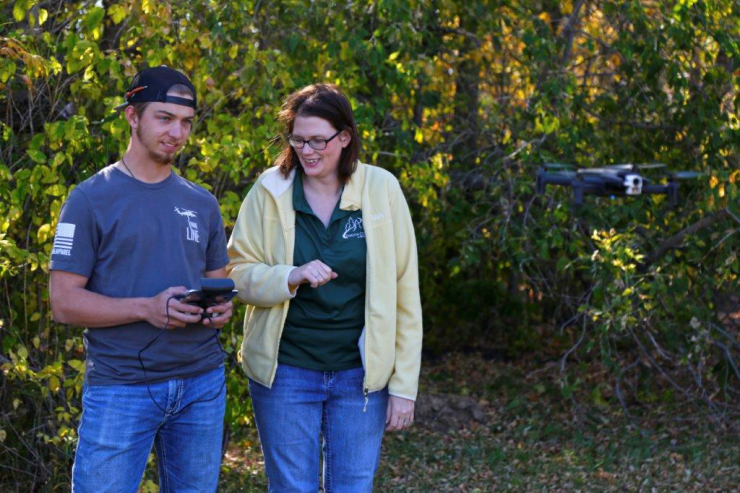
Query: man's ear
(131,116)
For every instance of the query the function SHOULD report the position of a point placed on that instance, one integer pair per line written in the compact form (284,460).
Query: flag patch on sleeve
(64,239)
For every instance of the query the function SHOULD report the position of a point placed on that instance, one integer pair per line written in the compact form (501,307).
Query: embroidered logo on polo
(353,229)
(64,239)
(192,229)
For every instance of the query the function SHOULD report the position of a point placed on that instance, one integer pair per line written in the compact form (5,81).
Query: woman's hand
(400,413)
(316,273)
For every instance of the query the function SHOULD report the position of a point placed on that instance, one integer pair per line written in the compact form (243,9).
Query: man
(130,239)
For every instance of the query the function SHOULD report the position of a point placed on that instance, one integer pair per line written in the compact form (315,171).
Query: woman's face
(319,164)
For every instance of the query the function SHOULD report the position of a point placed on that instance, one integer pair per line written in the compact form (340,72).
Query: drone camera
(633,184)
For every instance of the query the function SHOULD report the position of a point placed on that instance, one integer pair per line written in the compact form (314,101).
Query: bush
(462,101)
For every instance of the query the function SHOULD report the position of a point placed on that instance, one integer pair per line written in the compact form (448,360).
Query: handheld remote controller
(213,291)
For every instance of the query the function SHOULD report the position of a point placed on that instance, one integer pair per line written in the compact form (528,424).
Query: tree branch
(569,31)
(676,239)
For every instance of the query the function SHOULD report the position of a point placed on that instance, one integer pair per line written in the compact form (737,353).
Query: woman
(323,253)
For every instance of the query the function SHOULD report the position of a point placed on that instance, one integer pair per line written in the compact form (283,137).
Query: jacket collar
(352,194)
(277,185)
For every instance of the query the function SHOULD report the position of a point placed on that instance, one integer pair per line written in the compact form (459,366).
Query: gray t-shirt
(135,239)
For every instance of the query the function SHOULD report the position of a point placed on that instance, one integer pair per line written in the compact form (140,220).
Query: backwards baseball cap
(152,84)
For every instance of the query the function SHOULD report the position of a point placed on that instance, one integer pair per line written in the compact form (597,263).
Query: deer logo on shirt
(192,229)
(353,229)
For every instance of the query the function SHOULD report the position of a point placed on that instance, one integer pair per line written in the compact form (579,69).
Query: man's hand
(221,315)
(316,273)
(399,414)
(180,314)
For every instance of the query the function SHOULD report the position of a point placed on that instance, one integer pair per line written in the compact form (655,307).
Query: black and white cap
(152,84)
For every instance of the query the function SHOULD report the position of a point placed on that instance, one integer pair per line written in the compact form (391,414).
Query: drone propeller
(618,167)
(557,166)
(650,166)
(606,170)
(686,175)
(631,167)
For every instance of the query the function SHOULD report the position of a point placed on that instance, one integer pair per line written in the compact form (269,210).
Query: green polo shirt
(324,324)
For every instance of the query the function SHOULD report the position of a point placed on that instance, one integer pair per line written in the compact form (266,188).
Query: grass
(531,442)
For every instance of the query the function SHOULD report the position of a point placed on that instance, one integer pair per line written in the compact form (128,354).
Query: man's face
(163,128)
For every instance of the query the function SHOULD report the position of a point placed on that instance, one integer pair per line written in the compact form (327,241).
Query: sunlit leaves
(117,13)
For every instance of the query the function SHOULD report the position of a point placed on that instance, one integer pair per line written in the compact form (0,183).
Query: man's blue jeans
(120,423)
(304,405)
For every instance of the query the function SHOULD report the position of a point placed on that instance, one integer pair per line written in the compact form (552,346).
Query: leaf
(36,155)
(117,13)
(43,233)
(598,398)
(19,10)
(94,18)
(54,383)
(7,69)
(56,190)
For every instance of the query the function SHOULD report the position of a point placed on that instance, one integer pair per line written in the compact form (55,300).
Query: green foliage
(462,101)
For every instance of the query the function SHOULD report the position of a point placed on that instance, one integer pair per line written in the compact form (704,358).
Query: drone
(616,180)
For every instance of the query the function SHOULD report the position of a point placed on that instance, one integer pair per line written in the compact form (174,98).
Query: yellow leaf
(36,342)
(117,12)
(19,11)
(54,383)
(394,55)
(544,17)
(43,233)
(713,182)
(43,15)
(3,435)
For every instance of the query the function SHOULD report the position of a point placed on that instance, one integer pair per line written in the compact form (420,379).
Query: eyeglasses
(315,144)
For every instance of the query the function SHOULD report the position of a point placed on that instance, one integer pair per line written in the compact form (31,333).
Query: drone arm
(671,190)
(557,179)
(647,188)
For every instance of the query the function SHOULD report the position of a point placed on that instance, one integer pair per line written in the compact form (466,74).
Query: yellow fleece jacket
(261,259)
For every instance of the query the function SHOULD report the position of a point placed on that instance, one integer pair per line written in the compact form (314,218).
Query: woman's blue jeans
(120,423)
(304,405)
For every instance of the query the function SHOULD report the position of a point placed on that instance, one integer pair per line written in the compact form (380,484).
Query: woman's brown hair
(323,101)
